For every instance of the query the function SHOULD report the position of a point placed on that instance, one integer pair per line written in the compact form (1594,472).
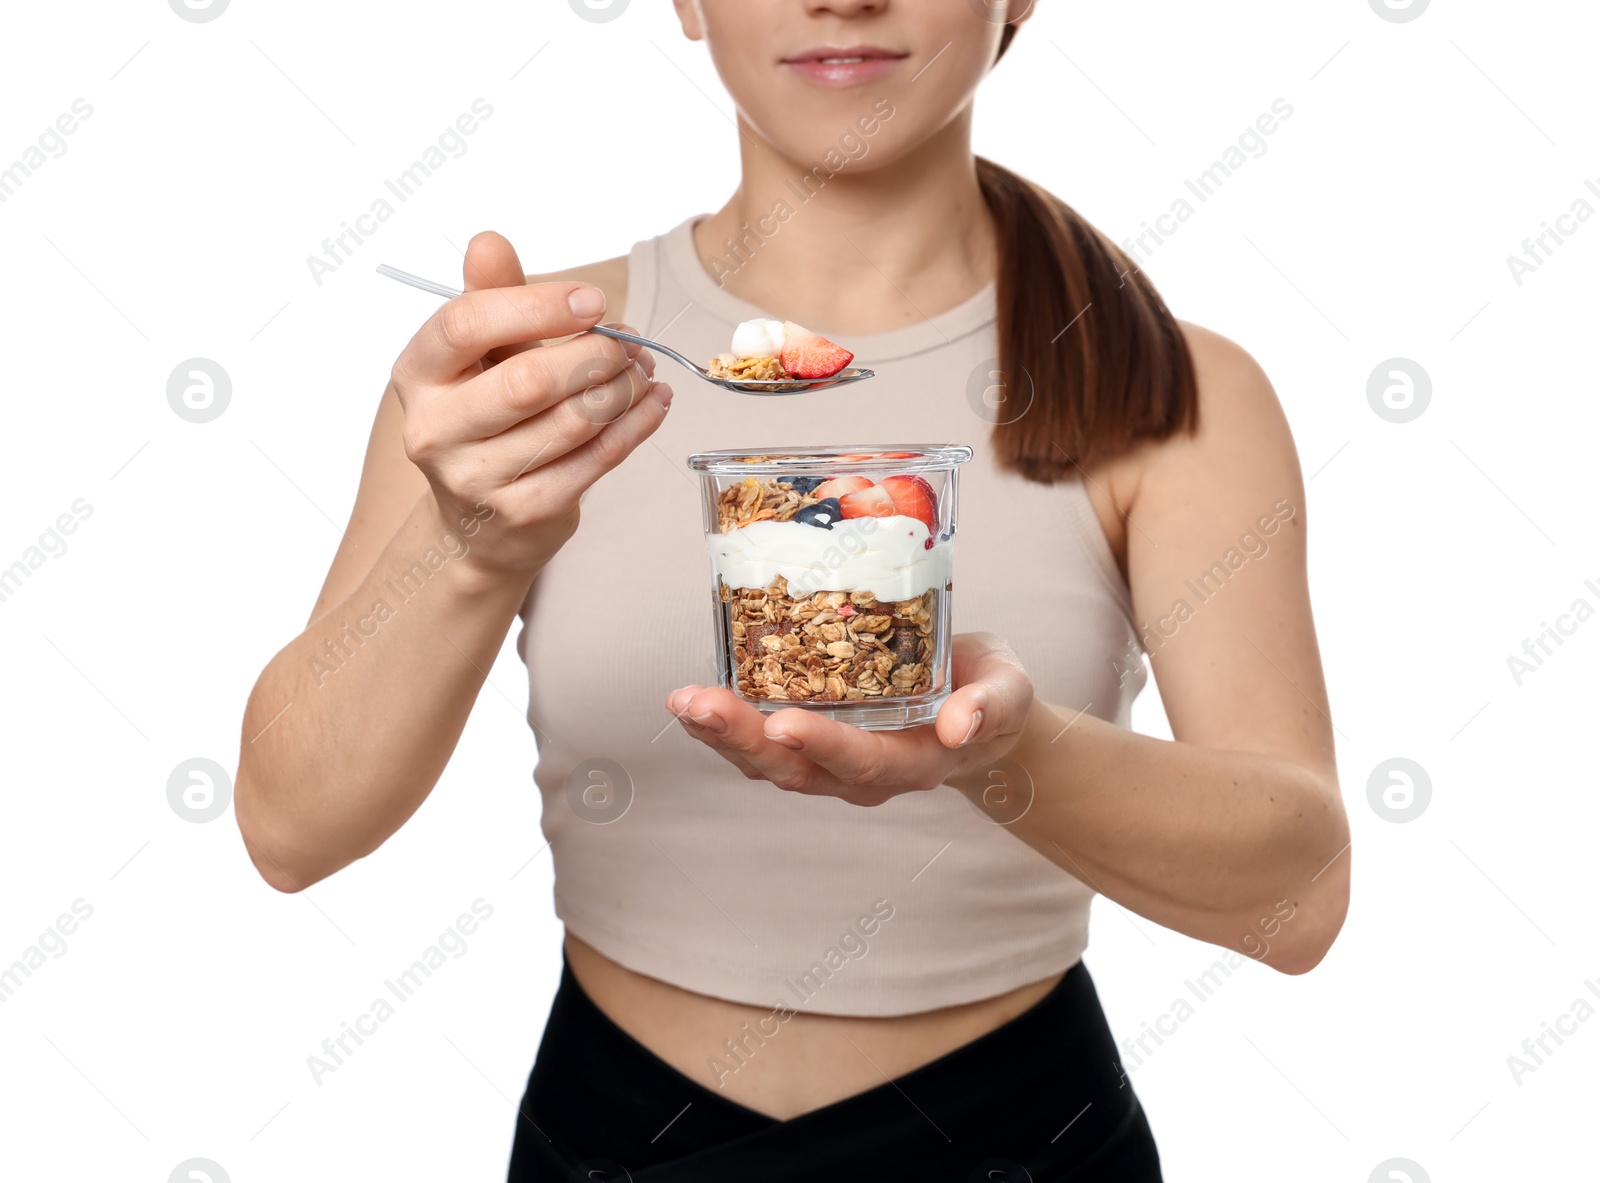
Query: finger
(599,397)
(855,756)
(532,382)
(992,695)
(549,491)
(491,262)
(644,357)
(720,710)
(456,337)
(568,424)
(582,466)
(738,727)
(679,698)
(573,422)
(678,703)
(520,394)
(713,741)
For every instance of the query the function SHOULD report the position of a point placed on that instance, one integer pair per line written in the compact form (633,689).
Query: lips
(826,52)
(844,65)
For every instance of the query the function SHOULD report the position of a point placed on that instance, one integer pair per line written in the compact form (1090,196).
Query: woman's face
(924,59)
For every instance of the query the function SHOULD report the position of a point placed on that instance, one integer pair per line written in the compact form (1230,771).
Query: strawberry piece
(873,502)
(806,355)
(839,486)
(897,455)
(846,610)
(914,498)
(859,456)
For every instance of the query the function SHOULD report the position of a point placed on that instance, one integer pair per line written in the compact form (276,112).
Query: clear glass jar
(831,577)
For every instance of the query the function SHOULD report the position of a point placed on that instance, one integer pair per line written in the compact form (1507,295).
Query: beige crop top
(666,858)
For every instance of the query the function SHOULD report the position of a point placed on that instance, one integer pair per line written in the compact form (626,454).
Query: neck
(863,250)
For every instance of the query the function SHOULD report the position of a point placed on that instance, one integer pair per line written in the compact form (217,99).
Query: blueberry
(824,513)
(804,484)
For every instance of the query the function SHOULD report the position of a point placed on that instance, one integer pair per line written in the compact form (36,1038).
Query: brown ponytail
(1119,375)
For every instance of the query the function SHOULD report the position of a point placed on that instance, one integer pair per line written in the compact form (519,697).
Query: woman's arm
(351,723)
(471,482)
(1234,832)
(1238,848)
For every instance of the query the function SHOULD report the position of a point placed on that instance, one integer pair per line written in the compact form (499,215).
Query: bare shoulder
(609,275)
(1241,442)
(1241,450)
(1238,403)
(1241,428)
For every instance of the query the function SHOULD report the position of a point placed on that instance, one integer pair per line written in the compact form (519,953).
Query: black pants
(1040,1099)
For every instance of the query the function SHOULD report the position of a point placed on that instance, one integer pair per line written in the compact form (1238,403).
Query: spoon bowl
(756,386)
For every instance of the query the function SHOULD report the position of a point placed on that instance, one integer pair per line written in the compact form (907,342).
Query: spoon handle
(604,331)
(439,289)
(417,281)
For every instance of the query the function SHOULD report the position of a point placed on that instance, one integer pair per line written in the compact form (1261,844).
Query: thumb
(992,692)
(491,262)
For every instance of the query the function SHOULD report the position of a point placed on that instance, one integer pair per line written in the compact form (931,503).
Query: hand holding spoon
(766,386)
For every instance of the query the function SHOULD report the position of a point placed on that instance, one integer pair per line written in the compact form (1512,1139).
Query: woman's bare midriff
(812,1060)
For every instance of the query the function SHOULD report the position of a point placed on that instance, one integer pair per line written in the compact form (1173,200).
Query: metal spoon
(768,386)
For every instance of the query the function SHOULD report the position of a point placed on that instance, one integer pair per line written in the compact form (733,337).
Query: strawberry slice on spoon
(807,355)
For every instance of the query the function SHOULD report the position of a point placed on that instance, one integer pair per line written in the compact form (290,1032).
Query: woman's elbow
(1310,930)
(275,860)
(1304,945)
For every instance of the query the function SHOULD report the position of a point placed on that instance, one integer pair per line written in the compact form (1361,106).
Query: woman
(762,978)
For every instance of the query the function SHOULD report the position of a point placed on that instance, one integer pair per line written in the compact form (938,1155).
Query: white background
(177,224)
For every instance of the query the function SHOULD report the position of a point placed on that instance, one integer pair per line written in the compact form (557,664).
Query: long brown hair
(1121,373)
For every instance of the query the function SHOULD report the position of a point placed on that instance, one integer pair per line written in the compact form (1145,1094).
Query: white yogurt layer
(885,556)
(758,338)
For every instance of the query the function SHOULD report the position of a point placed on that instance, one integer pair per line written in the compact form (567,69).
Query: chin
(850,135)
